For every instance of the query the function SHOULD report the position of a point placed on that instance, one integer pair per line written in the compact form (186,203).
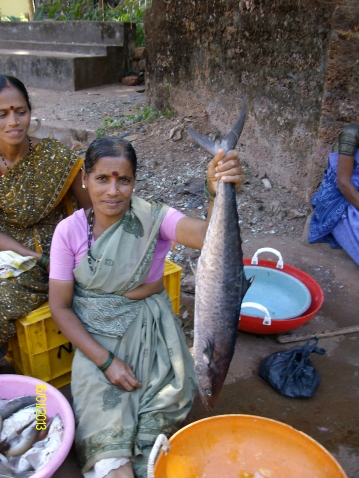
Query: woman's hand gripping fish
(220,281)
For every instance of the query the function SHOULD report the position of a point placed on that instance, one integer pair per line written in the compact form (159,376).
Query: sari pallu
(113,423)
(330,206)
(33,200)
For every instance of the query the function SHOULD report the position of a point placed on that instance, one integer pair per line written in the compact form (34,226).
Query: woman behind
(132,374)
(35,176)
(336,204)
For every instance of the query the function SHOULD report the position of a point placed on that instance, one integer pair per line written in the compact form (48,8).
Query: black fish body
(220,287)
(220,283)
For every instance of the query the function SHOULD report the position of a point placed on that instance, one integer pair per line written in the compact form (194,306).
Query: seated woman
(35,176)
(336,204)
(132,374)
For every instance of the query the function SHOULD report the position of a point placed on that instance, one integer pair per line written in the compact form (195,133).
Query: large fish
(23,442)
(43,451)
(220,281)
(8,407)
(16,423)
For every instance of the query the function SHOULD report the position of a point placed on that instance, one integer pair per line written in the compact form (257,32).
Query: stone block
(142,65)
(135,67)
(131,80)
(138,53)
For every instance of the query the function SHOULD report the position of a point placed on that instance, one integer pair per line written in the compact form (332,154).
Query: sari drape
(113,423)
(33,200)
(330,206)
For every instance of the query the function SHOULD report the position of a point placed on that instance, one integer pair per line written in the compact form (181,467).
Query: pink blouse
(69,245)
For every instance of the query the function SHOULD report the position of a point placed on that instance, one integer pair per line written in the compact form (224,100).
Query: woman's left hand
(227,167)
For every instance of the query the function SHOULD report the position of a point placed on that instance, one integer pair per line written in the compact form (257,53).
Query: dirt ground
(172,168)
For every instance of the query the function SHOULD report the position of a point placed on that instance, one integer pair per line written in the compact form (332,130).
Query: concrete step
(86,48)
(103,33)
(66,56)
(59,70)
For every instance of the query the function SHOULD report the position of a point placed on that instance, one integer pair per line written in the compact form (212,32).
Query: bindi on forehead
(12,108)
(115,174)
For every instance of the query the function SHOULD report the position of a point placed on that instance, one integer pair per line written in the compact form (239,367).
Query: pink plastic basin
(12,386)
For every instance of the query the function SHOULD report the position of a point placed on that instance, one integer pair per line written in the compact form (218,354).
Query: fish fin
(208,352)
(206,143)
(229,142)
(246,283)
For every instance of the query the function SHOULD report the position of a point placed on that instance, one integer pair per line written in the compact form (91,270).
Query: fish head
(210,371)
(56,428)
(205,379)
(210,379)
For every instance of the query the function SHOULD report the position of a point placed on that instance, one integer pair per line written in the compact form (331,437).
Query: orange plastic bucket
(244,446)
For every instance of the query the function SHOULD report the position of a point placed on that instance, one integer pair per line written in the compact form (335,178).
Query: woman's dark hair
(109,146)
(19,85)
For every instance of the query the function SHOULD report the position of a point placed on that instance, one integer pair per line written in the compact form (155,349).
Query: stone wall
(340,101)
(286,56)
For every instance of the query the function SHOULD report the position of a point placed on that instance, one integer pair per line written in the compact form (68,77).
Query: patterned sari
(33,201)
(113,423)
(331,208)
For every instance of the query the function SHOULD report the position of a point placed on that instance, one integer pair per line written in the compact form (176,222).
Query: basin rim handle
(267,318)
(280,263)
(161,443)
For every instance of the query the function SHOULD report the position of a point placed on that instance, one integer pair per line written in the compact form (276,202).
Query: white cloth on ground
(103,467)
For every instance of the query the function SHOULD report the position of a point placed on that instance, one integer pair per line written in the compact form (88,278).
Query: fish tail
(206,143)
(232,137)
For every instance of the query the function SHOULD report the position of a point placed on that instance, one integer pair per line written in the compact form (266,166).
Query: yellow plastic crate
(172,282)
(37,332)
(53,366)
(40,350)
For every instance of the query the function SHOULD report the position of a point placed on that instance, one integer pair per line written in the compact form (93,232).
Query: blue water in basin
(283,295)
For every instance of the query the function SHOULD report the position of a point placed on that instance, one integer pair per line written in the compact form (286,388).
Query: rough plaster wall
(340,104)
(208,53)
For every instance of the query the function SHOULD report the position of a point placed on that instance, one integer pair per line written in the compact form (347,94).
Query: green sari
(33,201)
(113,423)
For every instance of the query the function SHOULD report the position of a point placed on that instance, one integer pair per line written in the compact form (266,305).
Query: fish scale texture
(219,284)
